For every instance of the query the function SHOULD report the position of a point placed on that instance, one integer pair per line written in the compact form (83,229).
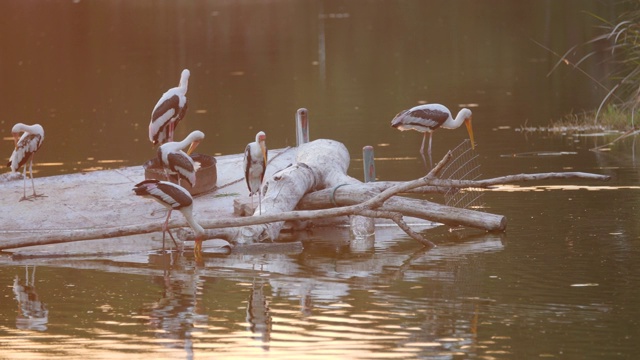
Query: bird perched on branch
(168,112)
(173,197)
(176,161)
(25,148)
(255,165)
(429,117)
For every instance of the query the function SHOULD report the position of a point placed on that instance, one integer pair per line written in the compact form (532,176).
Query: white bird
(255,164)
(169,110)
(25,148)
(173,197)
(429,117)
(176,161)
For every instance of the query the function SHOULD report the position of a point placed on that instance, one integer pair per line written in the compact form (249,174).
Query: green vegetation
(611,117)
(622,101)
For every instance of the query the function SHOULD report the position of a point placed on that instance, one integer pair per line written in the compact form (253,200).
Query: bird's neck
(188,215)
(452,123)
(184,143)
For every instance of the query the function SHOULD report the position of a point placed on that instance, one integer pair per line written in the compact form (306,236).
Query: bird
(176,161)
(168,112)
(25,148)
(427,118)
(173,197)
(255,164)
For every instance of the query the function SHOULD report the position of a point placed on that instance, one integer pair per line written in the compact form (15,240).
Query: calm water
(562,282)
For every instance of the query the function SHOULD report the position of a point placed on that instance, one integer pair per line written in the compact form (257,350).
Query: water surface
(560,283)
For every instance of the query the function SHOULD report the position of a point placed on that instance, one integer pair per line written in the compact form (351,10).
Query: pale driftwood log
(434,185)
(229,228)
(351,195)
(319,164)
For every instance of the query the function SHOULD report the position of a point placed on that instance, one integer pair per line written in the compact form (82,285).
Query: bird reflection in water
(177,313)
(258,314)
(32,313)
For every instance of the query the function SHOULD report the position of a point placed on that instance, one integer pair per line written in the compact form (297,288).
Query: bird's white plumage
(173,197)
(30,141)
(175,160)
(168,194)
(25,148)
(168,111)
(428,117)
(255,165)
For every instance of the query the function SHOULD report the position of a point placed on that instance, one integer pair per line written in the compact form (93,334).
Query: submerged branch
(233,224)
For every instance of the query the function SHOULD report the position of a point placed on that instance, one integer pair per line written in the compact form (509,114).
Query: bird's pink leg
(33,186)
(171,129)
(424,160)
(165,228)
(430,159)
(24,182)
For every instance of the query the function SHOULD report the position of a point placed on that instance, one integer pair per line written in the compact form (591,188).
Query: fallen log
(350,195)
(301,182)
(319,164)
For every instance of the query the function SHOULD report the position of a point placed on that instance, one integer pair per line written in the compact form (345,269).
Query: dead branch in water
(374,200)
(628,133)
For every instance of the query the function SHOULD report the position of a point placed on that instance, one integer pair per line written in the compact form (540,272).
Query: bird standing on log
(173,197)
(255,164)
(429,117)
(168,112)
(25,148)
(176,161)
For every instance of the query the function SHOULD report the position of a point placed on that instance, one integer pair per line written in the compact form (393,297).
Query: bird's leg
(165,228)
(260,201)
(430,159)
(24,182)
(33,186)
(424,160)
(171,129)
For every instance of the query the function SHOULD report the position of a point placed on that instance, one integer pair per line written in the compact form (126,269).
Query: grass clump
(617,109)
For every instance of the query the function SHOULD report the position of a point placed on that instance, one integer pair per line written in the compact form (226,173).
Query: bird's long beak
(467,122)
(192,147)
(16,138)
(197,249)
(264,153)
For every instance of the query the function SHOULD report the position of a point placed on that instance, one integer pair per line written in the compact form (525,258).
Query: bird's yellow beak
(192,147)
(197,249)
(467,122)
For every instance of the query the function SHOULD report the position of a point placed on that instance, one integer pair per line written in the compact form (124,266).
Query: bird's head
(195,137)
(15,132)
(184,78)
(261,139)
(16,138)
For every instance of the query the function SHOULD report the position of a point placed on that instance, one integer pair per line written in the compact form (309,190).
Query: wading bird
(25,148)
(173,197)
(168,112)
(255,164)
(429,117)
(176,161)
